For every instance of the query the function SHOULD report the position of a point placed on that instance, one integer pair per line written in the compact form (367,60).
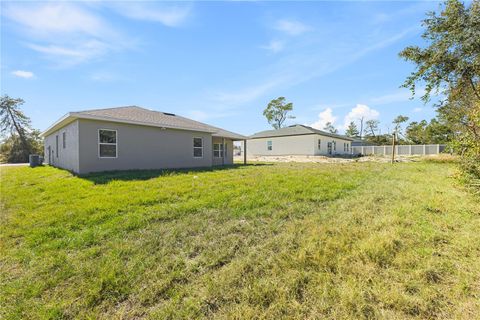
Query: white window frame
(106,143)
(221,151)
(193,140)
(64,139)
(269,145)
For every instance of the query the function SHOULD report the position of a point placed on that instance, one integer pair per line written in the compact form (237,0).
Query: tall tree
(352,130)
(397,123)
(13,120)
(330,128)
(371,128)
(277,111)
(450,64)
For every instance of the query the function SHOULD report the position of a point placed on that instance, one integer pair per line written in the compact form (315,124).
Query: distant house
(297,140)
(131,137)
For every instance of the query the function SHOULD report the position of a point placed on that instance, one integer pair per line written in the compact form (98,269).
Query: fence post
(423,149)
(384,150)
(438,149)
(362,151)
(409,149)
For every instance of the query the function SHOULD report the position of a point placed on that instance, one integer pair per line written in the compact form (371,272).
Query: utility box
(34,160)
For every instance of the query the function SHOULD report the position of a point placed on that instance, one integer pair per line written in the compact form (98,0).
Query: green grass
(330,241)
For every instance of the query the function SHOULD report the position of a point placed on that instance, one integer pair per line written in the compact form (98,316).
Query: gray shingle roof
(142,116)
(296,130)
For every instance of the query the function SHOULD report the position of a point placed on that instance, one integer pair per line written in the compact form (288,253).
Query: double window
(197,147)
(218,150)
(107,143)
(346,146)
(269,145)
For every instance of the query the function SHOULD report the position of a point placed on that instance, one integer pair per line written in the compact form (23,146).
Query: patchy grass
(357,240)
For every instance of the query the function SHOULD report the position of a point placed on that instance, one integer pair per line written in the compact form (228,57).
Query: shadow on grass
(135,175)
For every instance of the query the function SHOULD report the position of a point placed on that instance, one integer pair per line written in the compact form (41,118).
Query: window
(107,143)
(334,146)
(319,144)
(344,147)
(197,147)
(218,150)
(348,146)
(64,138)
(269,145)
(56,145)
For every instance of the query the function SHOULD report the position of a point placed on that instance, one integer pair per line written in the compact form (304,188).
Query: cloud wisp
(274,46)
(291,27)
(168,15)
(23,74)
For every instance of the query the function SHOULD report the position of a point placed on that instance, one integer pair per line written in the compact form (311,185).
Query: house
(297,140)
(131,137)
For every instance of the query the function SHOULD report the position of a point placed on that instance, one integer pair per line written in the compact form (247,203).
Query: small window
(197,147)
(56,145)
(107,143)
(218,150)
(334,146)
(319,144)
(269,145)
(64,140)
(348,147)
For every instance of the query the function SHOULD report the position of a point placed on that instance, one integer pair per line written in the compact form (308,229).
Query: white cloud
(324,117)
(416,110)
(66,33)
(359,111)
(23,74)
(291,27)
(274,46)
(47,19)
(171,16)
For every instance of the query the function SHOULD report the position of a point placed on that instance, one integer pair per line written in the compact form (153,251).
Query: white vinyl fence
(401,150)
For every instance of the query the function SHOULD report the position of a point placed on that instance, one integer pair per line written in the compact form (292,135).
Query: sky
(215,62)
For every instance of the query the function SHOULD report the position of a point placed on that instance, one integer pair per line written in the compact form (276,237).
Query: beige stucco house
(129,138)
(297,140)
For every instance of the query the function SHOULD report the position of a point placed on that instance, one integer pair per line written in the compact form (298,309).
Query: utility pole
(361,130)
(393,147)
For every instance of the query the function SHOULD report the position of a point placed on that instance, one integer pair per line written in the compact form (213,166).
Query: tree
(397,124)
(13,120)
(450,64)
(371,127)
(19,140)
(416,132)
(352,130)
(330,128)
(277,112)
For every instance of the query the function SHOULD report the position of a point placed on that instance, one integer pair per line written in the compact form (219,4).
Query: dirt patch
(324,159)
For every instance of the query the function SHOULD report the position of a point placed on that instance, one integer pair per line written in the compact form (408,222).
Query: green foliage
(19,140)
(277,112)
(12,150)
(283,241)
(450,64)
(330,128)
(352,130)
(435,132)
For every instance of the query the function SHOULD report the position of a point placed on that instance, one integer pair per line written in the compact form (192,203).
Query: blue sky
(216,62)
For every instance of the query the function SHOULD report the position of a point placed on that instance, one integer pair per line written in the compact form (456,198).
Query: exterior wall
(141,147)
(288,145)
(324,145)
(228,151)
(68,157)
(296,145)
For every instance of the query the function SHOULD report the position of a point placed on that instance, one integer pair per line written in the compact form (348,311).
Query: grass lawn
(334,241)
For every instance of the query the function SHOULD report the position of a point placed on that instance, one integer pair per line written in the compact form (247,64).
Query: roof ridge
(110,108)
